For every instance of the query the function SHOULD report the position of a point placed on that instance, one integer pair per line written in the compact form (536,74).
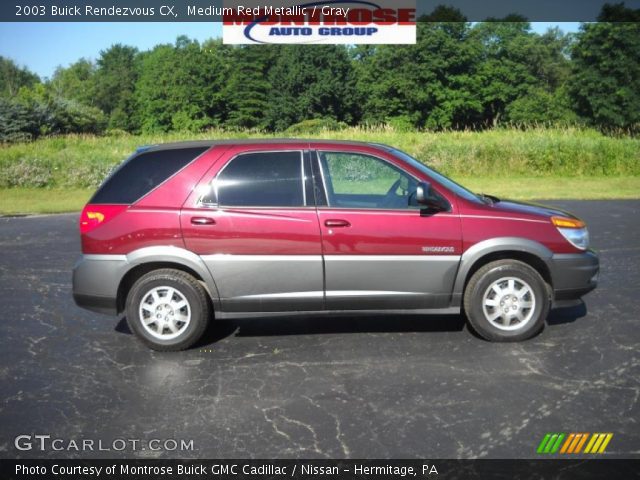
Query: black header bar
(314,469)
(211,10)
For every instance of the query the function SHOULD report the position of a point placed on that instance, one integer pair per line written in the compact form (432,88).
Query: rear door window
(142,173)
(262,179)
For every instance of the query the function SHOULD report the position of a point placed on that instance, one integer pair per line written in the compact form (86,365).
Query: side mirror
(422,193)
(426,197)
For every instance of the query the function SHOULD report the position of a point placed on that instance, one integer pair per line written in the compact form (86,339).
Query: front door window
(354,180)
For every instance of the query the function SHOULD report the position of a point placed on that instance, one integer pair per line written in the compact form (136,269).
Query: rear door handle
(202,221)
(336,223)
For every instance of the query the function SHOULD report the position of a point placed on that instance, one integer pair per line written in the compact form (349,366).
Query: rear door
(257,230)
(381,251)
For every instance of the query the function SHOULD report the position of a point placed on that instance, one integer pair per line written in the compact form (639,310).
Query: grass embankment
(58,174)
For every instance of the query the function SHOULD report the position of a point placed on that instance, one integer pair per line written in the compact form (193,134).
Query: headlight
(574,230)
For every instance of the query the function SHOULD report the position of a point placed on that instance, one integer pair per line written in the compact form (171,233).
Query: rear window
(142,173)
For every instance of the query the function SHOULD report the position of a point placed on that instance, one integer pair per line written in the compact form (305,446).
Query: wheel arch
(143,261)
(527,251)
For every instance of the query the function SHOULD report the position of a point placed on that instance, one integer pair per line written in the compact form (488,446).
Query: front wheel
(168,310)
(507,301)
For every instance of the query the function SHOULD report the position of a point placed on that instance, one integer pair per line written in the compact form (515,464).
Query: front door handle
(336,223)
(202,221)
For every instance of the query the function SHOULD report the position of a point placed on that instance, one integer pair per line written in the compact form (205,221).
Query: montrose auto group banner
(312,22)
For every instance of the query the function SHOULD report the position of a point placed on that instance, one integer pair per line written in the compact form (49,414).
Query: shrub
(27,119)
(540,107)
(69,116)
(18,122)
(87,176)
(314,126)
(25,175)
(401,123)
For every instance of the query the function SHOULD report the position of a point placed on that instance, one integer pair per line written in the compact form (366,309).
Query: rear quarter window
(142,173)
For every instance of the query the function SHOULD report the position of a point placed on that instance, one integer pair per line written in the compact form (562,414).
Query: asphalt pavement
(373,387)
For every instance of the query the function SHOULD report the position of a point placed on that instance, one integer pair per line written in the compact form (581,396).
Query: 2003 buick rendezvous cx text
(181,233)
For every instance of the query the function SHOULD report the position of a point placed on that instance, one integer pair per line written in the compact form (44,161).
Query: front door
(381,251)
(258,233)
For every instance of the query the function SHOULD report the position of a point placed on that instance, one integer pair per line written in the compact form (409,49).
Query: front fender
(495,245)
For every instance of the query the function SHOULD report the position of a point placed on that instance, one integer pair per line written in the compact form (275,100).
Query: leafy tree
(153,89)
(606,69)
(311,82)
(115,80)
(422,85)
(458,75)
(76,82)
(13,77)
(504,72)
(448,59)
(249,88)
(550,58)
(617,12)
(181,87)
(545,99)
(391,85)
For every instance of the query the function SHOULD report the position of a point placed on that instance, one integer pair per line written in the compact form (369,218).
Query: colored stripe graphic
(592,440)
(572,443)
(598,442)
(570,438)
(543,443)
(556,446)
(583,439)
(606,441)
(551,443)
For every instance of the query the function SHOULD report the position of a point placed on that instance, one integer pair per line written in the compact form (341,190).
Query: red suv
(181,233)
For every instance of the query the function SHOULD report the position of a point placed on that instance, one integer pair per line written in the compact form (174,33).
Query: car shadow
(122,327)
(377,323)
(318,325)
(218,330)
(568,314)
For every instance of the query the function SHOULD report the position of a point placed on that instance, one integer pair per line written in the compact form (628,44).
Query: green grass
(56,200)
(555,188)
(42,200)
(523,164)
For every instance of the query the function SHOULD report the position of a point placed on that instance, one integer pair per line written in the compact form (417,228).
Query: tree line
(459,75)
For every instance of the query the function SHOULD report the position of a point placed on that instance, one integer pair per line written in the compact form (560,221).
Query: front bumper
(574,275)
(95,282)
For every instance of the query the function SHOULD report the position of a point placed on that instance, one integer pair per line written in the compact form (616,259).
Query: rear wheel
(507,301)
(168,310)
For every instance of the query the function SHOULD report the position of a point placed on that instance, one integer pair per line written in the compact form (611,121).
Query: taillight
(93,216)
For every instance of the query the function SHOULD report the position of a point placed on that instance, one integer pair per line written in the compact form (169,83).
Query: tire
(507,301)
(163,323)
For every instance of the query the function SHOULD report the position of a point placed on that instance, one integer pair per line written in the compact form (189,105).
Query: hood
(512,206)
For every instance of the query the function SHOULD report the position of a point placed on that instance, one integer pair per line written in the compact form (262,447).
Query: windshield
(437,176)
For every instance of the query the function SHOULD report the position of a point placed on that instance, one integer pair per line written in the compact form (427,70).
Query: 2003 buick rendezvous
(182,233)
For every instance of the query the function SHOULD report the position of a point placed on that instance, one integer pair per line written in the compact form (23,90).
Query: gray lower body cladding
(256,283)
(574,275)
(311,283)
(95,282)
